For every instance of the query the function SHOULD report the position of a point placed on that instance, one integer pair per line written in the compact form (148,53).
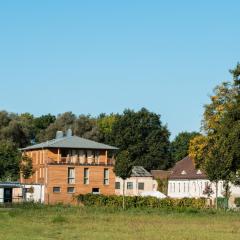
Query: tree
(198,149)
(123,169)
(105,126)
(62,123)
(180,145)
(26,167)
(144,137)
(9,161)
(218,153)
(86,126)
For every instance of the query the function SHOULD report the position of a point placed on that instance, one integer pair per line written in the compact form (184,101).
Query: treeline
(141,133)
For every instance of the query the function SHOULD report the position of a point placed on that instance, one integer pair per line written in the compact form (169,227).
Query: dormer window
(183,172)
(199,172)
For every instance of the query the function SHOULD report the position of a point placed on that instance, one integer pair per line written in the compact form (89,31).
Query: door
(7,195)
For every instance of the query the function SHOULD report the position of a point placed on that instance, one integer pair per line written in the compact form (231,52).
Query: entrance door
(7,195)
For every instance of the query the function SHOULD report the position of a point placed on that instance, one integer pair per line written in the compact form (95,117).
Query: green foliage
(162,185)
(26,167)
(180,145)
(123,166)
(140,202)
(237,201)
(144,137)
(219,153)
(9,161)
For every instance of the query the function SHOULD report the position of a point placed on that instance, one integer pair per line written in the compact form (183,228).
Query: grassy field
(60,222)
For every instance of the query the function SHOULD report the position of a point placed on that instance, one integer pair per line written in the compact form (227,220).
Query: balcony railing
(75,160)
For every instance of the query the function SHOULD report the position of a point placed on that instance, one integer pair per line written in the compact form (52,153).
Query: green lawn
(89,223)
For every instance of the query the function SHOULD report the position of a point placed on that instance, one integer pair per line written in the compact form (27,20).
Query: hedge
(138,202)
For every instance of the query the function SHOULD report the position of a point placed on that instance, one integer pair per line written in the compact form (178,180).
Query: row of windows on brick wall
(140,185)
(71,176)
(72,190)
(58,189)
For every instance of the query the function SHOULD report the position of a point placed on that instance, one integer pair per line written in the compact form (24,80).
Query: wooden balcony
(75,160)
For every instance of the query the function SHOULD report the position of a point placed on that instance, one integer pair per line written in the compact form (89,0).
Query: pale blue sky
(105,56)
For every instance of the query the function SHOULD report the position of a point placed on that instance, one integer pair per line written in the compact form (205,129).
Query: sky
(104,56)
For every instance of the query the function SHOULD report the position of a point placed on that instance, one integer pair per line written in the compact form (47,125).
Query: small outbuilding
(10,192)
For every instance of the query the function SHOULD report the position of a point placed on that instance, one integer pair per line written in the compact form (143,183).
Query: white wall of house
(1,195)
(149,185)
(38,193)
(193,188)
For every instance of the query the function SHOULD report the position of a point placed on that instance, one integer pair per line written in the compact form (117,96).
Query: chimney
(59,134)
(69,132)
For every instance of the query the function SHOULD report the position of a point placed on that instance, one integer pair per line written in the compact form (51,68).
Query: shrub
(237,201)
(140,202)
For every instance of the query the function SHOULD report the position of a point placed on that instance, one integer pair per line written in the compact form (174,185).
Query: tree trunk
(123,205)
(216,202)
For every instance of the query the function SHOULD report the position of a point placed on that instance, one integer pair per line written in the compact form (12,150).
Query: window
(86,176)
(173,187)
(141,186)
(199,172)
(129,185)
(183,172)
(179,187)
(117,185)
(106,176)
(184,187)
(71,175)
(56,189)
(195,187)
(71,190)
(95,191)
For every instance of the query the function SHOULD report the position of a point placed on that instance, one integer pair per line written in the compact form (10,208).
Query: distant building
(140,181)
(188,181)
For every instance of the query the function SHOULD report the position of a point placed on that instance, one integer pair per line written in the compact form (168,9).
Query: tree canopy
(142,134)
(218,151)
(180,145)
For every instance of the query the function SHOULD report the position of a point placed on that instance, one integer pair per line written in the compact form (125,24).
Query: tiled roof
(139,171)
(185,169)
(71,142)
(161,174)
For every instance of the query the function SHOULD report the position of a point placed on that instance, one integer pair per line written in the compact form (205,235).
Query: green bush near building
(140,202)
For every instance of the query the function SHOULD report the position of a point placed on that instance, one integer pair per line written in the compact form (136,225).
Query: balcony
(76,160)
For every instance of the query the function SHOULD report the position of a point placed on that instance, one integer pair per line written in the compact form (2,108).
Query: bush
(237,201)
(140,202)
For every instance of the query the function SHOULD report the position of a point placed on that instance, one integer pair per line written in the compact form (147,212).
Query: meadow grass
(65,222)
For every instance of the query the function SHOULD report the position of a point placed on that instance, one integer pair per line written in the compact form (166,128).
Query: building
(69,165)
(188,181)
(140,181)
(10,192)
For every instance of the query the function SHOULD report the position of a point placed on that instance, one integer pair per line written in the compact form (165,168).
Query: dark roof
(71,142)
(161,174)
(139,171)
(185,169)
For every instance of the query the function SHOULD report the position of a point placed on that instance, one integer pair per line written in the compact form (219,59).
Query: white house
(186,181)
(140,182)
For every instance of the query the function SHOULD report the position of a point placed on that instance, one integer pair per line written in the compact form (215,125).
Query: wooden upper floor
(70,150)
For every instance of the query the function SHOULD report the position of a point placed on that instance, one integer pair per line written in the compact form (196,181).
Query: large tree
(9,161)
(218,151)
(144,137)
(180,145)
